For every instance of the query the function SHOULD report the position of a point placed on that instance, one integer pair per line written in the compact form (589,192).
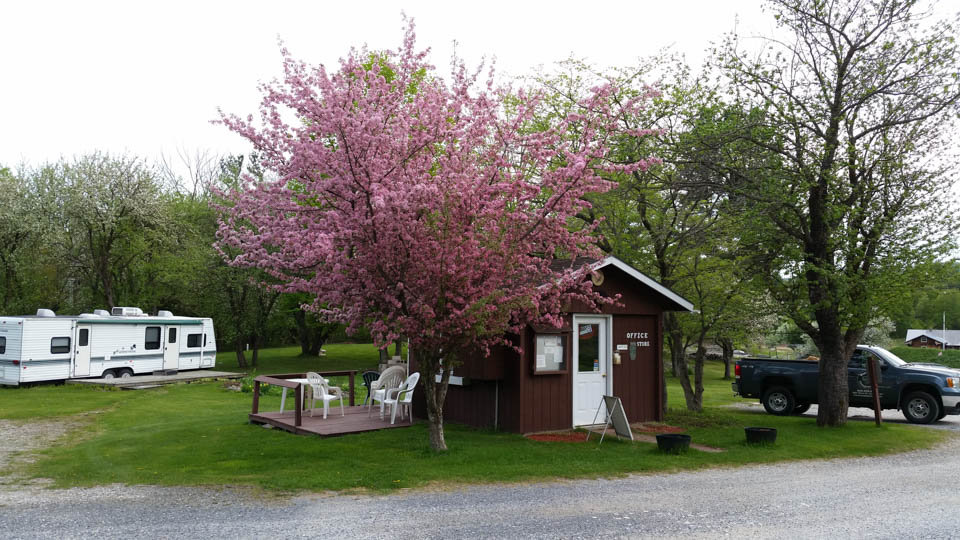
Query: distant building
(933,339)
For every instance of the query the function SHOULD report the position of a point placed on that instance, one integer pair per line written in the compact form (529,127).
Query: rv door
(171,347)
(81,354)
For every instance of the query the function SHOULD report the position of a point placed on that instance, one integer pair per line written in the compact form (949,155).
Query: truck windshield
(888,356)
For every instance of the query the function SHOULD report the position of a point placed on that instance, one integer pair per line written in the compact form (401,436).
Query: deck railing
(282,381)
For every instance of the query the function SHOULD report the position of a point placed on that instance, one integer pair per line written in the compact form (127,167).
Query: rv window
(173,336)
(204,340)
(151,340)
(84,337)
(193,340)
(3,344)
(59,345)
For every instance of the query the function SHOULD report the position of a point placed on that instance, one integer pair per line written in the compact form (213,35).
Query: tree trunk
(671,329)
(693,393)
(436,394)
(303,333)
(832,389)
(727,346)
(397,348)
(238,348)
(255,345)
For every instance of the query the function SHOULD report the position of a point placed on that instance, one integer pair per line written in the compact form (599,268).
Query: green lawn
(198,434)
(340,356)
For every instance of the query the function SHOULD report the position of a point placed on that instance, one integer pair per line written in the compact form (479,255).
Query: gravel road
(904,496)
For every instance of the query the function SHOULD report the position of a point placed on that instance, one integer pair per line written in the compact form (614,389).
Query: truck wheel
(125,373)
(109,374)
(920,408)
(941,415)
(778,400)
(801,408)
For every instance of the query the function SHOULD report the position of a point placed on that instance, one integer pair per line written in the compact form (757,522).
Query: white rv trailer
(121,343)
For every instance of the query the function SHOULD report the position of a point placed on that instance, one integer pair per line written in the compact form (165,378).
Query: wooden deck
(355,420)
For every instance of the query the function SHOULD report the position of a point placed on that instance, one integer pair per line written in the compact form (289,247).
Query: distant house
(933,339)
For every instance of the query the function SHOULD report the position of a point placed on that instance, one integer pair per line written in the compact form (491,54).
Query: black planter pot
(761,435)
(673,443)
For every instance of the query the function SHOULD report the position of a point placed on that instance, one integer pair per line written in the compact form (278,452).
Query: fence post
(256,396)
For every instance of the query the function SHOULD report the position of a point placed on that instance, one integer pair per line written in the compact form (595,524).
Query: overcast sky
(146,78)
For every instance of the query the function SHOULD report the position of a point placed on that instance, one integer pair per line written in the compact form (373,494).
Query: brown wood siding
(637,381)
(487,368)
(531,403)
(546,400)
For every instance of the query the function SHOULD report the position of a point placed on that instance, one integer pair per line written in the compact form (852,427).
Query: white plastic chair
(402,397)
(392,377)
(321,390)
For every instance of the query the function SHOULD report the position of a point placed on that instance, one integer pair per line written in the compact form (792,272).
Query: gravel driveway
(904,496)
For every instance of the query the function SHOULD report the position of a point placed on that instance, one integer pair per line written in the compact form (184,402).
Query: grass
(340,356)
(198,435)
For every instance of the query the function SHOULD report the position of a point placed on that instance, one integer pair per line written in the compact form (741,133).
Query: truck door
(858,380)
(861,392)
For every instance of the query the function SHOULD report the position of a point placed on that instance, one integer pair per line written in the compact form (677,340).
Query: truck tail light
(736,369)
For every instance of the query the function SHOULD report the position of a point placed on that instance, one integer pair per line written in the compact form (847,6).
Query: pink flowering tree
(417,206)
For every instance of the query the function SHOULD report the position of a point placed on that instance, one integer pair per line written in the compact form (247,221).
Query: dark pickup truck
(924,392)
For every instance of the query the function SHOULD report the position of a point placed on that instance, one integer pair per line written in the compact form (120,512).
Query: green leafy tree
(843,184)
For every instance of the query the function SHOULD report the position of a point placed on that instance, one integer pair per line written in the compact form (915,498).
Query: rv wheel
(126,373)
(109,374)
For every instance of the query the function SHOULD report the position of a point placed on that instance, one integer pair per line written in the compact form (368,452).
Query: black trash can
(673,443)
(761,435)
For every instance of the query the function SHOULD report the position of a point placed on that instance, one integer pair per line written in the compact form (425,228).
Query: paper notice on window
(541,360)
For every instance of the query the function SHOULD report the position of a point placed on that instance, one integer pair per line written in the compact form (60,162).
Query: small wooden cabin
(559,380)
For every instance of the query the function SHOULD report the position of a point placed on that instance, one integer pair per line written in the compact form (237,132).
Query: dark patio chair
(368,378)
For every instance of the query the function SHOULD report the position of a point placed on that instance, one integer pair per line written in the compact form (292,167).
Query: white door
(591,358)
(171,347)
(81,351)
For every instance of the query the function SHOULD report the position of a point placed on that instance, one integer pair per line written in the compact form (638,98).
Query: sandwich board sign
(616,417)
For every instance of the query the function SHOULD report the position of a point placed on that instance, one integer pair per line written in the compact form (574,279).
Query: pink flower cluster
(415,206)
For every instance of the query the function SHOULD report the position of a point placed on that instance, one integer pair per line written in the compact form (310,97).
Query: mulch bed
(579,437)
(558,437)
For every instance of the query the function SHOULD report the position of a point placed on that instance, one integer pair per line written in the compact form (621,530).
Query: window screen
(59,345)
(172,338)
(151,340)
(193,340)
(3,344)
(84,338)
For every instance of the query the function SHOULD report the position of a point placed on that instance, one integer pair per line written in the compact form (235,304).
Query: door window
(172,338)
(588,347)
(3,344)
(84,338)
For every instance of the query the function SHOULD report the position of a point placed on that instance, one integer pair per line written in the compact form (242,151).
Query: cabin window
(84,338)
(193,340)
(59,345)
(3,344)
(172,338)
(151,340)
(549,356)
(923,339)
